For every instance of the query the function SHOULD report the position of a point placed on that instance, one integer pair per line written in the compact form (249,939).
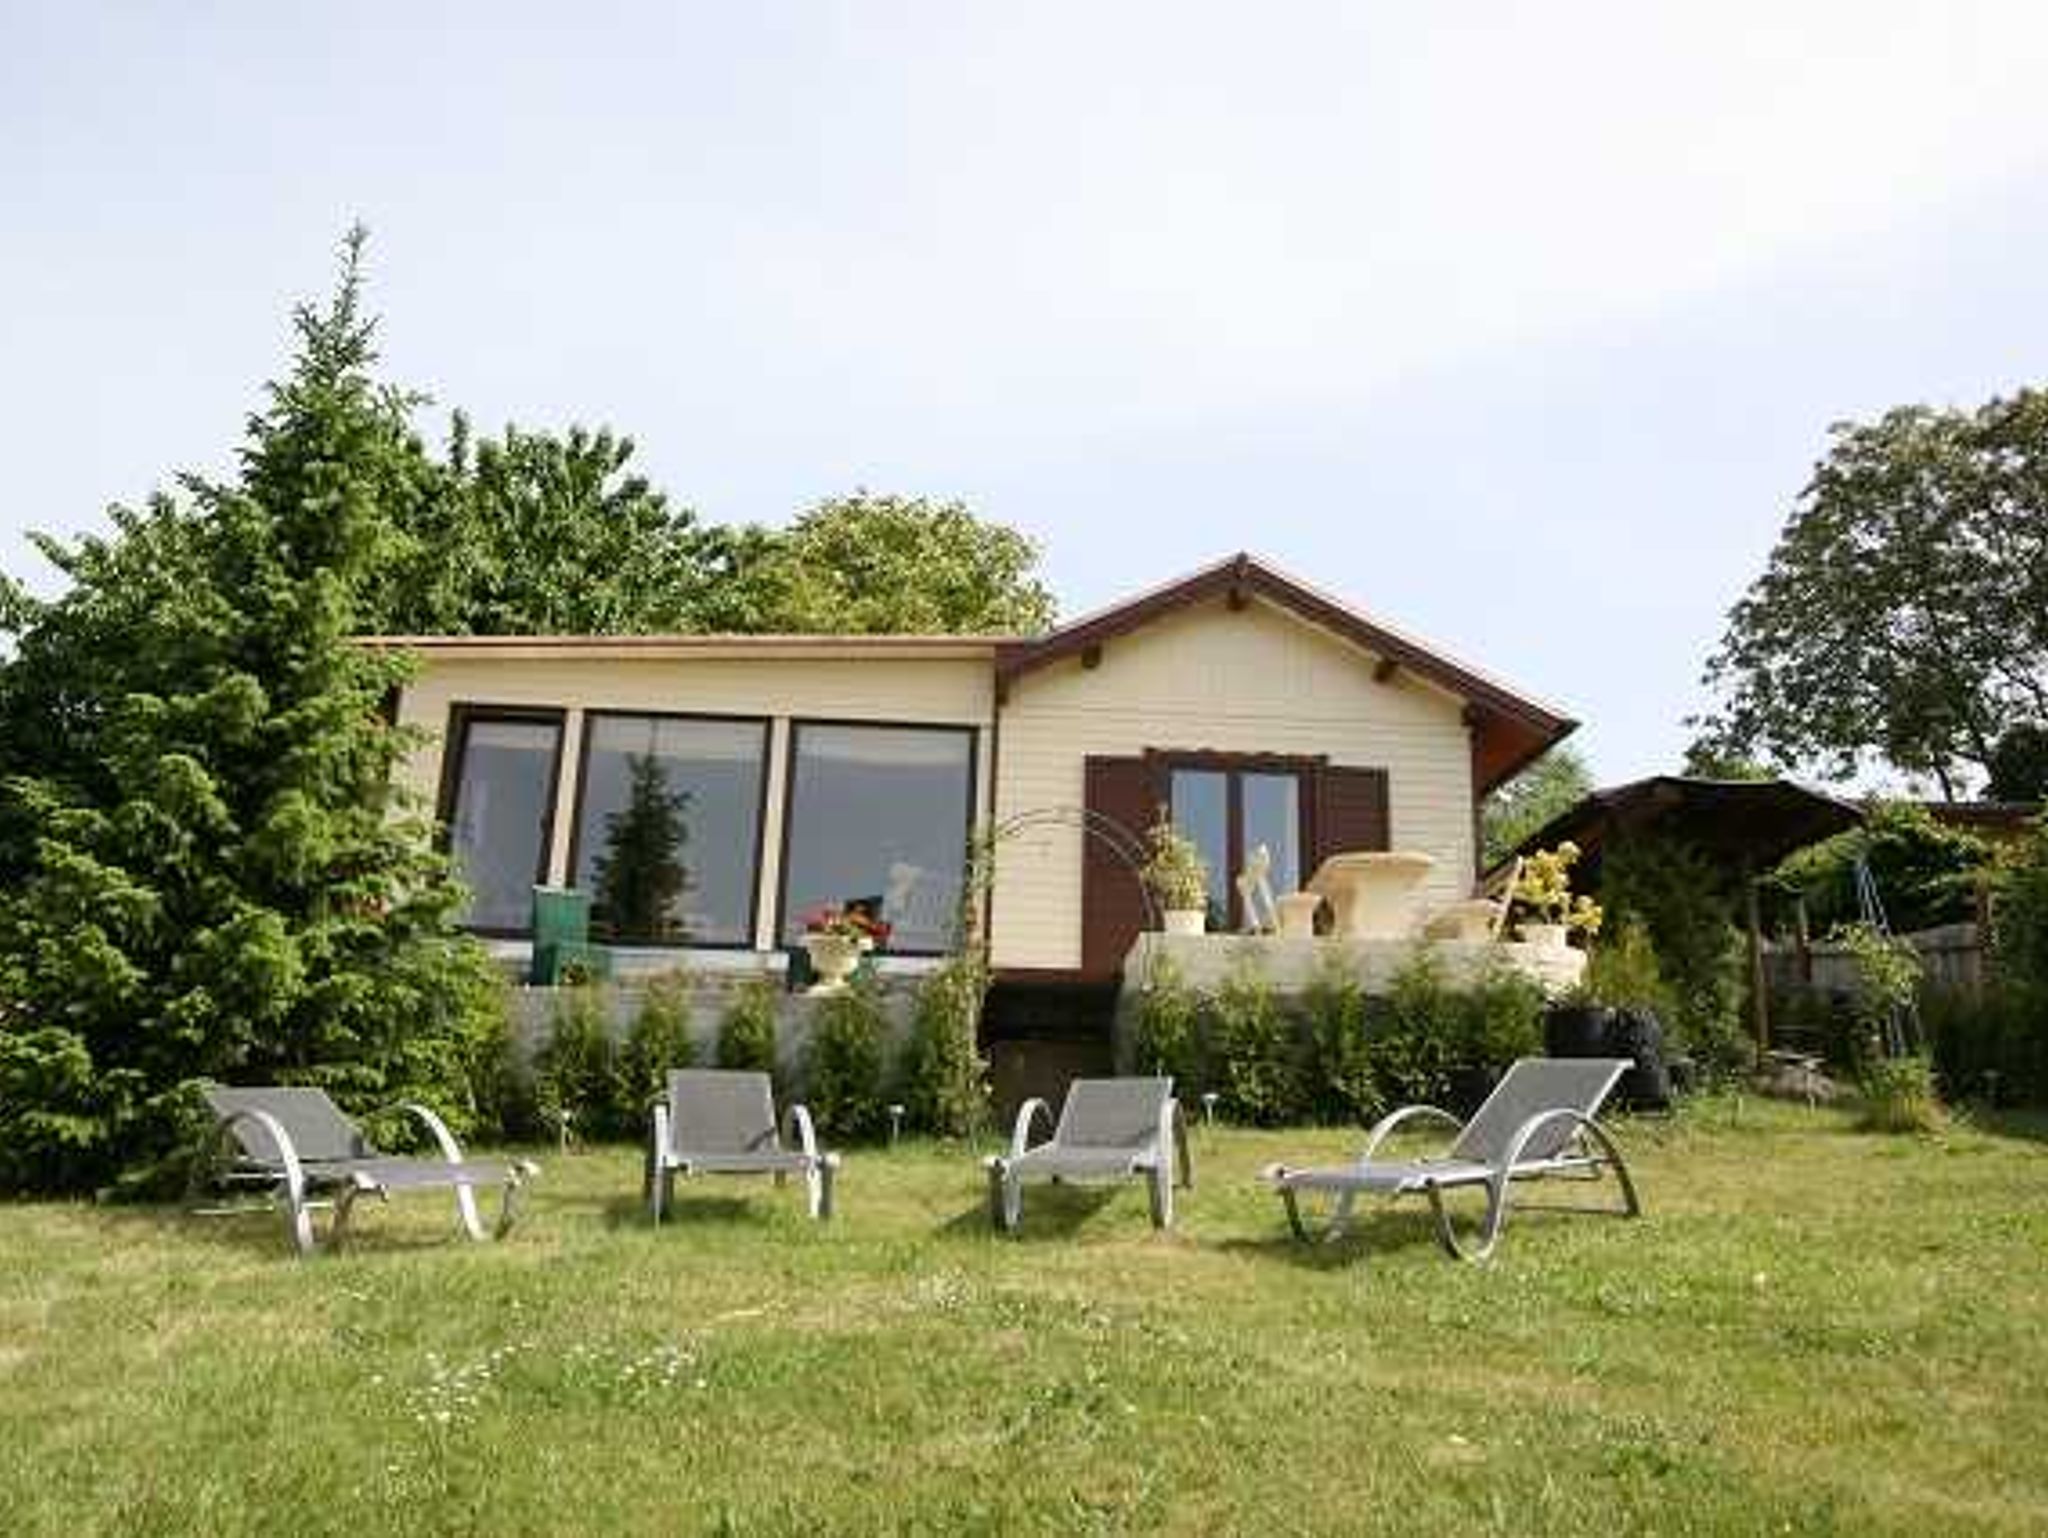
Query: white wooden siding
(1256,680)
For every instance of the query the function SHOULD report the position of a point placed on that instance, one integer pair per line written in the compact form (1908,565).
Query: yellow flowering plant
(1544,890)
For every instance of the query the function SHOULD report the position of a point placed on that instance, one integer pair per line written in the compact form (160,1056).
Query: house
(710,790)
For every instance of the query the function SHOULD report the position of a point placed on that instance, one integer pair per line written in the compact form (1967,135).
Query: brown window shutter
(1351,811)
(1112,902)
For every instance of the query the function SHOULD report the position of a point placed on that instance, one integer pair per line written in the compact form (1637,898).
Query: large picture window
(668,828)
(879,815)
(499,811)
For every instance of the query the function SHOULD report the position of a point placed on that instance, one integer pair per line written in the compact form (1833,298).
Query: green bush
(1898,1095)
(843,1069)
(746,1036)
(575,1072)
(1261,1077)
(1414,1035)
(1688,905)
(657,1040)
(2019,929)
(1622,972)
(1500,1018)
(945,1084)
(1342,1077)
(1167,1030)
(501,1094)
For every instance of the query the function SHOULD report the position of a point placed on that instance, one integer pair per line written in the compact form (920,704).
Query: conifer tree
(641,874)
(205,871)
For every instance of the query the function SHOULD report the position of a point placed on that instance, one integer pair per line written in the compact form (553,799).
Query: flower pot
(833,958)
(1552,937)
(1184,921)
(1298,914)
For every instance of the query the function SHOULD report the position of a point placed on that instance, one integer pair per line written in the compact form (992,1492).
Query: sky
(1520,326)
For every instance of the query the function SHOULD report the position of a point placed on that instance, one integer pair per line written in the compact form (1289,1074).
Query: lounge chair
(295,1143)
(721,1121)
(1538,1122)
(1109,1129)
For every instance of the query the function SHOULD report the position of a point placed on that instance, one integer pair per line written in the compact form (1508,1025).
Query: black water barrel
(1639,1034)
(1576,1030)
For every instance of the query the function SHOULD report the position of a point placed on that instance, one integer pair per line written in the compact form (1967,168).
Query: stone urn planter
(1184,921)
(1551,937)
(833,958)
(1298,914)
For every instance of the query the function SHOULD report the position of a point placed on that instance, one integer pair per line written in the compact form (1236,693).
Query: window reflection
(497,827)
(879,815)
(1201,810)
(668,828)
(1272,816)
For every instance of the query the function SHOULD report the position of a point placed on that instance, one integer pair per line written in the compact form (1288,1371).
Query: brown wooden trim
(590,719)
(463,714)
(1048,977)
(796,724)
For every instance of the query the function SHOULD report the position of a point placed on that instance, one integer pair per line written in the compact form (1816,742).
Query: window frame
(591,716)
(969,730)
(1307,769)
(462,715)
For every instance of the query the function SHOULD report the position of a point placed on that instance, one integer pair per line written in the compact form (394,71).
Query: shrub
(746,1036)
(1898,1095)
(1990,1041)
(1500,1018)
(2019,930)
(1341,1073)
(575,1072)
(843,1072)
(1260,1074)
(1887,978)
(502,1096)
(1623,973)
(658,1040)
(945,1087)
(1166,1034)
(1687,904)
(1414,1035)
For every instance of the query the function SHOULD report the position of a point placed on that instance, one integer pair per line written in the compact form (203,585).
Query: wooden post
(1759,992)
(1805,944)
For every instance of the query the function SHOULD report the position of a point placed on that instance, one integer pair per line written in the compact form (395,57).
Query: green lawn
(1812,1330)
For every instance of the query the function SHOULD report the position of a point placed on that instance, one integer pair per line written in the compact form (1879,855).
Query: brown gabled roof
(1510,729)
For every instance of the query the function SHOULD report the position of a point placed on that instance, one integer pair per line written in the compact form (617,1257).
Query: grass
(1813,1330)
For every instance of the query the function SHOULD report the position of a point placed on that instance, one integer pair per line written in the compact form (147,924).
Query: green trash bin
(561,930)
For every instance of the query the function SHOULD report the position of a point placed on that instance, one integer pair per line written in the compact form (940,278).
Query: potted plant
(1549,913)
(835,938)
(1177,875)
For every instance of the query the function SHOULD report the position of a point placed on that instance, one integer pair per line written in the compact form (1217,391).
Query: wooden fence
(1952,958)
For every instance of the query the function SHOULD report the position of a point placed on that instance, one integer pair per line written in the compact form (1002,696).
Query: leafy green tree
(536,533)
(640,876)
(879,565)
(2019,764)
(203,870)
(1903,615)
(1555,783)
(1703,760)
